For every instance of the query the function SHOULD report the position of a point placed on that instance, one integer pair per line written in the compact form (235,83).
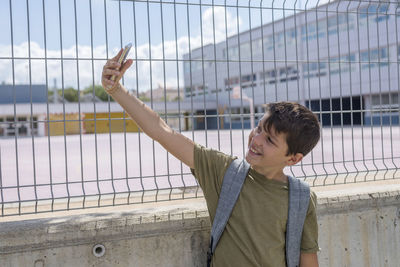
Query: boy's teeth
(252,150)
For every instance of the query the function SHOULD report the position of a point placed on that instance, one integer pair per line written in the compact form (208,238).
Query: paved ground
(343,155)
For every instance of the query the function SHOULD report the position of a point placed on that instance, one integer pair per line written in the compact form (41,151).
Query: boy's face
(267,151)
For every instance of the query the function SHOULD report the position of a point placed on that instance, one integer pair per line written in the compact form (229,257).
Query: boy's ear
(295,158)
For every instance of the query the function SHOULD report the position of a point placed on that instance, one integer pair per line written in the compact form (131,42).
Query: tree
(178,98)
(70,94)
(144,99)
(98,91)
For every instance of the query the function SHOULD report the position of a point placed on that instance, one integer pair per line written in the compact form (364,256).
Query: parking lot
(90,165)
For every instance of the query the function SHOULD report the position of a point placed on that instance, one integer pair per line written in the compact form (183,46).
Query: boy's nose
(257,138)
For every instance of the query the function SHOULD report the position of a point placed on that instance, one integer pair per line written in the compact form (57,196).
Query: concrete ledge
(166,234)
(358,227)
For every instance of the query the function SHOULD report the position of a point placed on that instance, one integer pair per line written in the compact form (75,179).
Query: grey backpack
(299,197)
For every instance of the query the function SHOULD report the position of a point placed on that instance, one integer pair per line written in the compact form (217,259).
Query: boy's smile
(267,152)
(254,152)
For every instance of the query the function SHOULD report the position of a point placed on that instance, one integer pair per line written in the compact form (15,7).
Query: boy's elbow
(178,145)
(308,260)
(159,132)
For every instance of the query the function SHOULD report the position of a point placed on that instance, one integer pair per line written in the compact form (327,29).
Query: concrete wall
(360,230)
(359,226)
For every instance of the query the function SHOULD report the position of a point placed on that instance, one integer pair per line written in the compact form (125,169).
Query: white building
(25,111)
(343,56)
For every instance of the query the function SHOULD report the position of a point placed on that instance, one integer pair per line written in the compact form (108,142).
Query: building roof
(23,93)
(24,109)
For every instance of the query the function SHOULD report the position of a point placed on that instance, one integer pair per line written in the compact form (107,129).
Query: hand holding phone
(114,69)
(122,58)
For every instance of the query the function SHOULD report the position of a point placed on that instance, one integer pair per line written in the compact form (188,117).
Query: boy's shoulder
(216,156)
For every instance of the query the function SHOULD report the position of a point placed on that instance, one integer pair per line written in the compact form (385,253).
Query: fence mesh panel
(208,68)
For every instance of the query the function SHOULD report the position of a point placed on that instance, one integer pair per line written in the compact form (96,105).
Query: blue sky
(52,12)
(113,12)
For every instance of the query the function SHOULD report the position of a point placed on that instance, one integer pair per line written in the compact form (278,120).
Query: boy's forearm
(148,120)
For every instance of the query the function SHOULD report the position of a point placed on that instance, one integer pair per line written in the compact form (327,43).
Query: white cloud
(219,24)
(86,75)
(54,70)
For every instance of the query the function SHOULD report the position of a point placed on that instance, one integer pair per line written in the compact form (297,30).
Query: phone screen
(123,56)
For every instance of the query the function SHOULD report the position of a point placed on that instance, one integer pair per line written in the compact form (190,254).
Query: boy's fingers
(111,68)
(110,72)
(124,67)
(111,64)
(117,56)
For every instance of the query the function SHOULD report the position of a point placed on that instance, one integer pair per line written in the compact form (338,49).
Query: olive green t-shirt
(255,232)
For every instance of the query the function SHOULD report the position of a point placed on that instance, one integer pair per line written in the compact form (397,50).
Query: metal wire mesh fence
(66,145)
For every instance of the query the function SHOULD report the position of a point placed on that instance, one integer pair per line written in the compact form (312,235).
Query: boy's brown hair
(297,122)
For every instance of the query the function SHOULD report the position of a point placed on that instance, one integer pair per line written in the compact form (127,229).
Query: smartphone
(123,56)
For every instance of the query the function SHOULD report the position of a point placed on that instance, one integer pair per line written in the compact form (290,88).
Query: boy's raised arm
(148,120)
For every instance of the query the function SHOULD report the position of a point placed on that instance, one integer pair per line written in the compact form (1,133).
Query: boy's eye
(270,141)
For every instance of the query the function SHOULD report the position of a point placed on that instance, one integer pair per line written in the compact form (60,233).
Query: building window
(248,78)
(374,57)
(231,81)
(341,22)
(250,85)
(11,126)
(214,91)
(278,41)
(288,74)
(321,29)
(314,69)
(290,35)
(374,13)
(389,102)
(343,65)
(269,76)
(268,43)
(190,91)
(385,99)
(202,88)
(237,113)
(309,31)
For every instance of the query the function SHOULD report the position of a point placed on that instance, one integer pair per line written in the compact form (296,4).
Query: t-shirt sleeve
(209,169)
(309,240)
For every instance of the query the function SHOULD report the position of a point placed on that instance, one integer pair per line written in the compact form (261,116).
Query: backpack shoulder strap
(299,198)
(231,187)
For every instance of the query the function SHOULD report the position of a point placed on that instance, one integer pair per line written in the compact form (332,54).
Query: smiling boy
(255,232)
